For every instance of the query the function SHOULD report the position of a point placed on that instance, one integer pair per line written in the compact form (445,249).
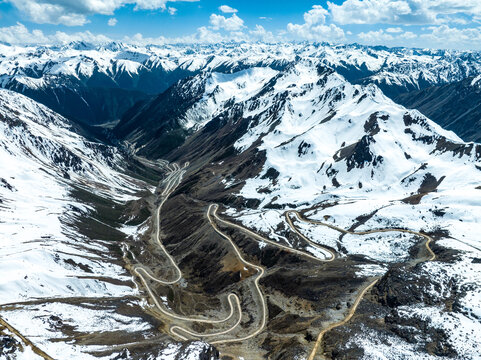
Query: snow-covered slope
(72,79)
(63,277)
(347,155)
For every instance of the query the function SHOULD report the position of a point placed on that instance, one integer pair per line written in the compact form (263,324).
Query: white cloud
(389,37)
(405,12)
(315,27)
(203,35)
(408,35)
(112,22)
(451,37)
(375,37)
(265,18)
(394,30)
(234,23)
(317,15)
(261,34)
(227,9)
(19,35)
(76,12)
(172,10)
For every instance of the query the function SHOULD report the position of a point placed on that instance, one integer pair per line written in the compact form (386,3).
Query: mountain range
(283,201)
(95,85)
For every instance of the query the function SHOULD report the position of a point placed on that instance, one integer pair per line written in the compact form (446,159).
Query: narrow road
(331,256)
(259,269)
(171,182)
(428,238)
(432,256)
(27,342)
(312,243)
(351,313)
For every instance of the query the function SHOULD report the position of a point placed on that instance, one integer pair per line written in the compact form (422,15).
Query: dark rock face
(155,124)
(4,183)
(358,155)
(199,351)
(8,346)
(372,126)
(401,287)
(455,107)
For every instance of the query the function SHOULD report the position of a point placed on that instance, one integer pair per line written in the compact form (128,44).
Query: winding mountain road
(259,269)
(432,256)
(171,182)
(260,238)
(428,238)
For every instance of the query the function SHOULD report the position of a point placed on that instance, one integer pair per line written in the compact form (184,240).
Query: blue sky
(420,23)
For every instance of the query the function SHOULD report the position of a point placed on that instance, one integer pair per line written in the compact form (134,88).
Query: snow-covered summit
(304,138)
(397,66)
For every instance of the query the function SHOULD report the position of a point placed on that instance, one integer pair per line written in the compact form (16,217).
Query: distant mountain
(97,84)
(455,106)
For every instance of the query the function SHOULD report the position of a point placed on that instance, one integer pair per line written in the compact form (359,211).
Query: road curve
(428,238)
(274,243)
(260,270)
(432,256)
(174,329)
(172,181)
(312,243)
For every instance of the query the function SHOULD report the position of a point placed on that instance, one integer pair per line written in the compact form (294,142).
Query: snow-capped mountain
(305,139)
(97,84)
(266,132)
(62,201)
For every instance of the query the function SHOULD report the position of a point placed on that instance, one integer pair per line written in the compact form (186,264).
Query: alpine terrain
(239,201)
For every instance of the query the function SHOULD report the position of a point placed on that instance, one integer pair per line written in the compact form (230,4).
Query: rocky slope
(63,214)
(455,106)
(265,141)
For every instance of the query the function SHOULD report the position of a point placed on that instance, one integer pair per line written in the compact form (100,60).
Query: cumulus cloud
(203,35)
(315,27)
(234,23)
(375,37)
(75,12)
(261,34)
(408,35)
(112,22)
(394,30)
(405,12)
(451,37)
(19,35)
(172,10)
(391,36)
(227,9)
